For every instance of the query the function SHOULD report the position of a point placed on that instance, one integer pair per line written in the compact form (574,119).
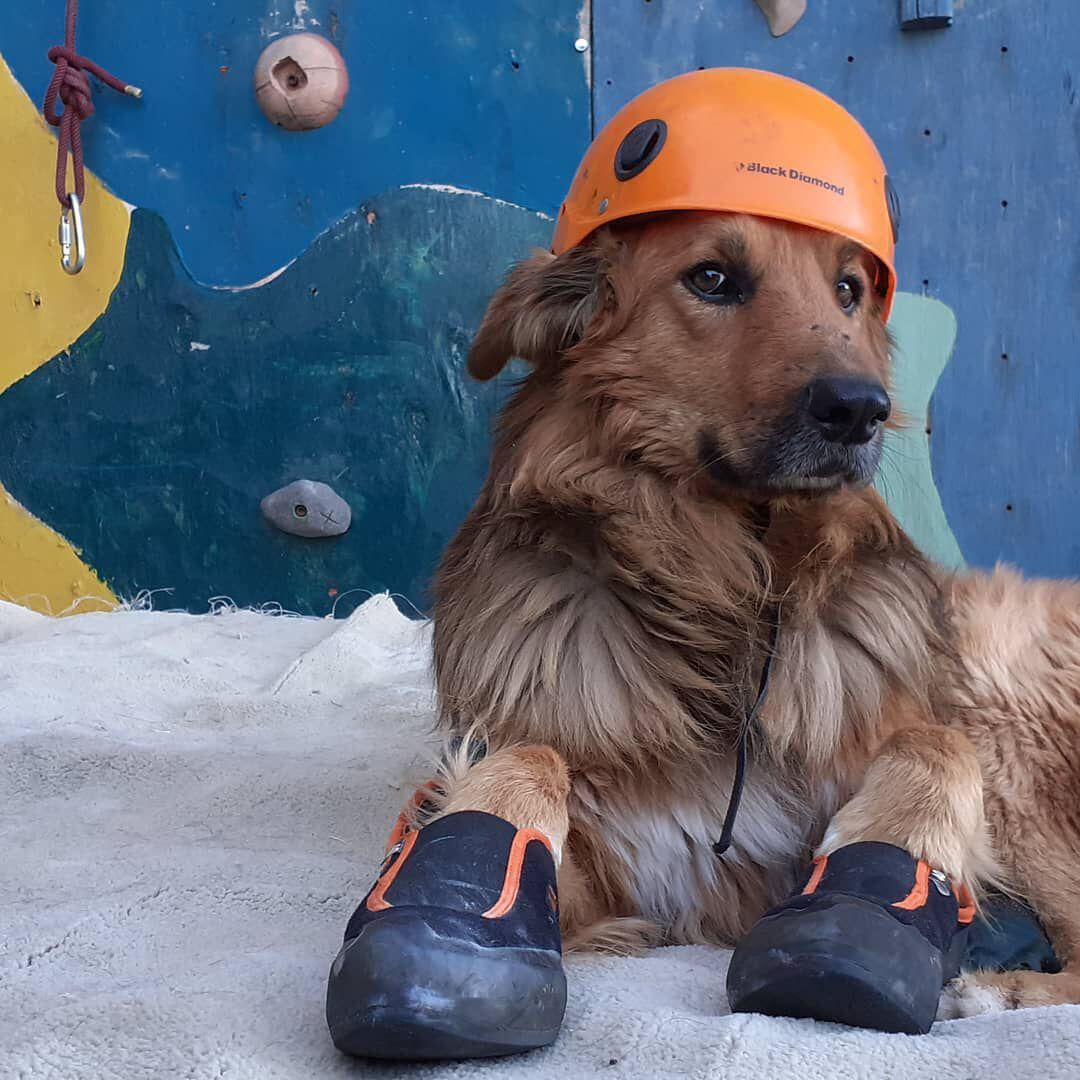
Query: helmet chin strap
(737,784)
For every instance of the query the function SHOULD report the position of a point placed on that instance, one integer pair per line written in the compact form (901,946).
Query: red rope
(69,81)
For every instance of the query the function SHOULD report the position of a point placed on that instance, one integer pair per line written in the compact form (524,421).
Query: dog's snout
(847,410)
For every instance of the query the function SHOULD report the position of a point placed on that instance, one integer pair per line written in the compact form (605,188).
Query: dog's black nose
(847,410)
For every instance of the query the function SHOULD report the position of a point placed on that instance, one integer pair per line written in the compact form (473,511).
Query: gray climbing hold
(307,508)
(782,15)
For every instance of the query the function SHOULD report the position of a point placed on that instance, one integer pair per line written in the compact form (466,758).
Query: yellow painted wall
(44,311)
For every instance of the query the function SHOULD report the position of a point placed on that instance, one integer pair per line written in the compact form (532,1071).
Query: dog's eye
(847,292)
(711,283)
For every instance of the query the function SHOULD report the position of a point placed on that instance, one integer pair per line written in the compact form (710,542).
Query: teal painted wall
(151,442)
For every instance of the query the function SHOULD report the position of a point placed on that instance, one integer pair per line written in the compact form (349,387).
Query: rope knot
(69,82)
(72,85)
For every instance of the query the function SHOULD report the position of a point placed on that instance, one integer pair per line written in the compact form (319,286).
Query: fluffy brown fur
(653,496)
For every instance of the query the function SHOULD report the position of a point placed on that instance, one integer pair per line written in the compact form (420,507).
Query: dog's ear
(542,309)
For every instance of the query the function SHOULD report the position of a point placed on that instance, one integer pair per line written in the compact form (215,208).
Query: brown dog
(690,450)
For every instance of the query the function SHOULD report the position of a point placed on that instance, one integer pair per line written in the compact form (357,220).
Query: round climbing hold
(307,508)
(301,81)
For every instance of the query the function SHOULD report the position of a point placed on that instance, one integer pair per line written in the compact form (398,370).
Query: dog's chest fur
(839,672)
(637,663)
(661,846)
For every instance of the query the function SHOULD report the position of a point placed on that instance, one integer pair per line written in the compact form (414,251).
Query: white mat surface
(190,807)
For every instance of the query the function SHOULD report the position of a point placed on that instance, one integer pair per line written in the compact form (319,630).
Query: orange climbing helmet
(738,140)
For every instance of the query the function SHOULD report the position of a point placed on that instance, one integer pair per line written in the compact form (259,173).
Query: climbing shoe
(1009,938)
(456,951)
(868,940)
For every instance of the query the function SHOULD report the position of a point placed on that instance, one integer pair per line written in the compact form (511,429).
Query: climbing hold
(301,81)
(307,508)
(926,14)
(782,15)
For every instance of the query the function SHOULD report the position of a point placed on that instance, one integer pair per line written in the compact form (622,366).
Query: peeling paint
(450,189)
(444,189)
(253,284)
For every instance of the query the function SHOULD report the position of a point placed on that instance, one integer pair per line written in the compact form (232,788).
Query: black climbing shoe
(869,940)
(1010,938)
(455,952)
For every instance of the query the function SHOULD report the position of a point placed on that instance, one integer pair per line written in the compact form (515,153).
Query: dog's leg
(1047,876)
(456,951)
(923,792)
(997,991)
(1041,832)
(528,786)
(1020,649)
(868,939)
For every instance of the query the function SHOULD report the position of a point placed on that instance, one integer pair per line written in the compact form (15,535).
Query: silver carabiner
(66,231)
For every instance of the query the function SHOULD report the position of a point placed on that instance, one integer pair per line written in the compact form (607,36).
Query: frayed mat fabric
(192,806)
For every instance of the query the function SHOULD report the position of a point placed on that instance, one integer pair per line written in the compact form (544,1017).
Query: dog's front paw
(968,996)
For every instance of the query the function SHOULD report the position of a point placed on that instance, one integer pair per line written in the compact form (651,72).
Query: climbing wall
(261,305)
(277,305)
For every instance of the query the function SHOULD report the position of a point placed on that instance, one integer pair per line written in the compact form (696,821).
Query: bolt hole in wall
(290,73)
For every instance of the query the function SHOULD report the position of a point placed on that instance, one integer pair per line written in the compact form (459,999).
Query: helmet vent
(639,148)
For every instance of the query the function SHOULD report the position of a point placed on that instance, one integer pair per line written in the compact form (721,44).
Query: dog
(684,473)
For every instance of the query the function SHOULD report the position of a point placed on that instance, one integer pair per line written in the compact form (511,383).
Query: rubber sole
(846,962)
(401,991)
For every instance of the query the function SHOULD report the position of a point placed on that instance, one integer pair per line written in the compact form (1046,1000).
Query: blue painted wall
(481,94)
(969,119)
